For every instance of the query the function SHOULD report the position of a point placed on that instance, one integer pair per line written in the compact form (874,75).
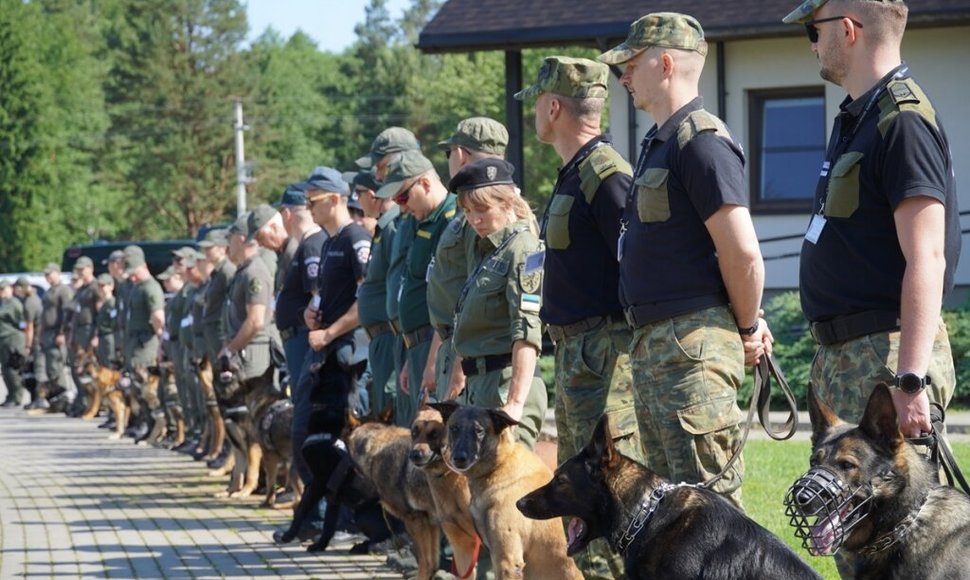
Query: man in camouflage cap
(216,292)
(389,141)
(478,134)
(54,326)
(696,327)
(580,302)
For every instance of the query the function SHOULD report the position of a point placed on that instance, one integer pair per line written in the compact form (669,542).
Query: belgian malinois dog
(86,368)
(449,489)
(872,497)
(381,453)
(500,470)
(107,380)
(662,530)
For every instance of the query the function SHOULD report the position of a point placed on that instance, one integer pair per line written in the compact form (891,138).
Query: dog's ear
(821,416)
(501,419)
(601,446)
(446,408)
(880,420)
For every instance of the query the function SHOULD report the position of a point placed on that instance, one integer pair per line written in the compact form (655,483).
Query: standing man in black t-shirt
(884,240)
(580,301)
(691,273)
(332,314)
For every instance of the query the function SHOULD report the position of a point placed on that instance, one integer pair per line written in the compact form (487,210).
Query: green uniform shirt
(502,298)
(253,284)
(414,292)
(395,271)
(104,320)
(454,261)
(272,261)
(185,315)
(32,310)
(145,297)
(85,305)
(372,295)
(122,293)
(12,325)
(56,301)
(199,345)
(173,309)
(215,301)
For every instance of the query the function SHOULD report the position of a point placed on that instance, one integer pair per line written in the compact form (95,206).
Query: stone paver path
(74,504)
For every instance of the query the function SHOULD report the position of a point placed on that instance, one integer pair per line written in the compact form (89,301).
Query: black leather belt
(445,332)
(378,329)
(414,338)
(557,332)
(492,362)
(637,316)
(845,328)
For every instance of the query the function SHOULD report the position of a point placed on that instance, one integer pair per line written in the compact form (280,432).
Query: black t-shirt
(689,169)
(343,263)
(300,281)
(898,151)
(581,273)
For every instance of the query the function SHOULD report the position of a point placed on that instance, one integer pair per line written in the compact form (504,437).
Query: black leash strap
(940,452)
(761,400)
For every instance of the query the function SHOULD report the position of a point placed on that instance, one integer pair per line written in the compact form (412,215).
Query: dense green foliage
(116,116)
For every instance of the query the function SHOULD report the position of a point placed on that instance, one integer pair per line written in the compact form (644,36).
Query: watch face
(910,383)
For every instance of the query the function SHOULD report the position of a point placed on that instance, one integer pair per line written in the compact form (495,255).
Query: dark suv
(158,254)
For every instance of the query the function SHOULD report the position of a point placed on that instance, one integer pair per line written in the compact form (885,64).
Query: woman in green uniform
(497,334)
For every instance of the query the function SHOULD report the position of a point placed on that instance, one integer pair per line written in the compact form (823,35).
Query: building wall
(937,60)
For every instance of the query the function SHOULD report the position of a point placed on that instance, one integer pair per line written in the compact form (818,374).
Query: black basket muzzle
(824,511)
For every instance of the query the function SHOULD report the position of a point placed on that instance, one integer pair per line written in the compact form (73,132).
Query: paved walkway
(74,504)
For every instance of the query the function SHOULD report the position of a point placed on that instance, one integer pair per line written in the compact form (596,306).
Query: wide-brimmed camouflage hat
(570,77)
(664,29)
(390,140)
(479,134)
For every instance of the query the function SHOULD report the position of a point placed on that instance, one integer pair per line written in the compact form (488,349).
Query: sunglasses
(448,152)
(813,31)
(402,197)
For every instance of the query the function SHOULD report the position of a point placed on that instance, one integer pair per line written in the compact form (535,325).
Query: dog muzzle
(824,511)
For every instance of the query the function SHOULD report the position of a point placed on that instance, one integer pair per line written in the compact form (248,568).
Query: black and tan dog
(662,530)
(274,424)
(871,496)
(381,453)
(449,489)
(500,470)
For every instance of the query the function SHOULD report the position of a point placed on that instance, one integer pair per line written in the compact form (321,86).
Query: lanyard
(562,176)
(481,266)
(637,171)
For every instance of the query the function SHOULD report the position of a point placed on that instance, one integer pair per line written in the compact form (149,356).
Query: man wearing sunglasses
(412,181)
(884,238)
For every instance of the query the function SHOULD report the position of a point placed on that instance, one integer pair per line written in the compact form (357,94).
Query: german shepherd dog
(662,530)
(872,496)
(500,470)
(339,480)
(449,489)
(381,453)
(107,380)
(85,368)
(274,423)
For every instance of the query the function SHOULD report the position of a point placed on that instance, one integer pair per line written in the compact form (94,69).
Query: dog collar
(643,514)
(897,534)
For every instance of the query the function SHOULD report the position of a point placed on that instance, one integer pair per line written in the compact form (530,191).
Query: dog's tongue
(823,535)
(575,530)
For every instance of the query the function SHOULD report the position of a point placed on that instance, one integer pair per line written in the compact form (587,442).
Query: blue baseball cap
(292,195)
(325,179)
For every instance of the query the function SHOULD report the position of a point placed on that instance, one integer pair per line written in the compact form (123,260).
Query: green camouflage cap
(390,140)
(51,267)
(665,29)
(479,134)
(83,262)
(184,252)
(106,280)
(411,164)
(215,237)
(240,226)
(570,77)
(804,11)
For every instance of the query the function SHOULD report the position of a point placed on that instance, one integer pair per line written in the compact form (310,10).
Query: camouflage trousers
(491,391)
(686,372)
(844,374)
(593,377)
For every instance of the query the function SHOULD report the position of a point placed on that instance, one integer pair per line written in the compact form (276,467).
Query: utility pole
(240,160)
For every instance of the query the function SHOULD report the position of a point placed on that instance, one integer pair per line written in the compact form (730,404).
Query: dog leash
(761,401)
(471,564)
(940,451)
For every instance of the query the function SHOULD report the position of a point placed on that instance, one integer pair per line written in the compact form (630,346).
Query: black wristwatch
(911,383)
(751,329)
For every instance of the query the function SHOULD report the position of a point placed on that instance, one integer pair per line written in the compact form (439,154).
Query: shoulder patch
(450,214)
(601,163)
(255,286)
(904,95)
(698,122)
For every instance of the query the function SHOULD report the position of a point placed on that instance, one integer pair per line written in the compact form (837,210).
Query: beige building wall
(937,58)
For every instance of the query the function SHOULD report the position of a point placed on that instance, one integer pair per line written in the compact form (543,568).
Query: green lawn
(771,468)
